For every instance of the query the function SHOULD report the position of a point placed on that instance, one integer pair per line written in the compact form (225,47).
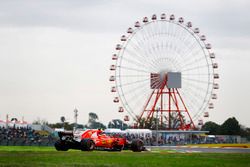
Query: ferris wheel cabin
(206,114)
(196,30)
(121,109)
(212,55)
(116,100)
(126,118)
(123,38)
(200,122)
(208,46)
(202,37)
(172,17)
(113,89)
(112,67)
(112,78)
(118,47)
(114,57)
(154,17)
(216,86)
(189,24)
(210,105)
(181,20)
(145,20)
(215,65)
(137,24)
(163,16)
(214,96)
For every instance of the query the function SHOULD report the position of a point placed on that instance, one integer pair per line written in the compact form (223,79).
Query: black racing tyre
(87,145)
(137,145)
(61,145)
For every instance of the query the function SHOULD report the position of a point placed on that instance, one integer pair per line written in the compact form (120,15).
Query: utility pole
(157,124)
(7,121)
(75,116)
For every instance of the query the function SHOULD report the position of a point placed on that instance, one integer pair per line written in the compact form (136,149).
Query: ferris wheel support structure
(173,96)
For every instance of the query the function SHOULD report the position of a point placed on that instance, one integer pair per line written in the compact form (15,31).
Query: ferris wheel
(164,69)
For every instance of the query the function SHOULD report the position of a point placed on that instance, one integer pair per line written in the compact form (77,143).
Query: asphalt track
(187,149)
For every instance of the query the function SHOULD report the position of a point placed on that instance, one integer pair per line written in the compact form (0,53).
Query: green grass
(47,156)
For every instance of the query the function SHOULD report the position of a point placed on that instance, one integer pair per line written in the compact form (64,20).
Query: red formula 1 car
(94,139)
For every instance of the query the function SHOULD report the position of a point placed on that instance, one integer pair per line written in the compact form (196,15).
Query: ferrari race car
(94,139)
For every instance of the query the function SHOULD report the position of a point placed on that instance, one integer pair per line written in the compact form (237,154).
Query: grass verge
(47,156)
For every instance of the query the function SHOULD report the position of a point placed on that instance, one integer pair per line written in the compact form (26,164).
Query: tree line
(230,127)
(92,123)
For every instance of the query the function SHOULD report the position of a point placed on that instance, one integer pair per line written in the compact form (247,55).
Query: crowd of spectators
(151,140)
(173,140)
(24,136)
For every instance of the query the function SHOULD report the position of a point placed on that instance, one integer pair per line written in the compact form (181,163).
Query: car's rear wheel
(61,146)
(137,145)
(87,145)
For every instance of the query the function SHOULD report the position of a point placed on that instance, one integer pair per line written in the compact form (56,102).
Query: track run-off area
(205,148)
(202,149)
(155,156)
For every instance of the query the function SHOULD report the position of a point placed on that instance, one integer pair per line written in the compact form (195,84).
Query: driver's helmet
(99,131)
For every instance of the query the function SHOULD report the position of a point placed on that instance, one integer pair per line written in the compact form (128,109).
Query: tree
(92,117)
(92,122)
(13,119)
(40,122)
(62,120)
(97,125)
(175,120)
(117,123)
(230,127)
(212,127)
(245,132)
(148,124)
(67,126)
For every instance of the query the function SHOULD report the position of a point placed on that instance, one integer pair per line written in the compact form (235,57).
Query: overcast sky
(55,54)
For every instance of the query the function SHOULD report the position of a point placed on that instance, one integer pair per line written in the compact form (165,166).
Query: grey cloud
(36,34)
(229,18)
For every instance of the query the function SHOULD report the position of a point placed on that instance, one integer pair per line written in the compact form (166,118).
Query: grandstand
(21,133)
